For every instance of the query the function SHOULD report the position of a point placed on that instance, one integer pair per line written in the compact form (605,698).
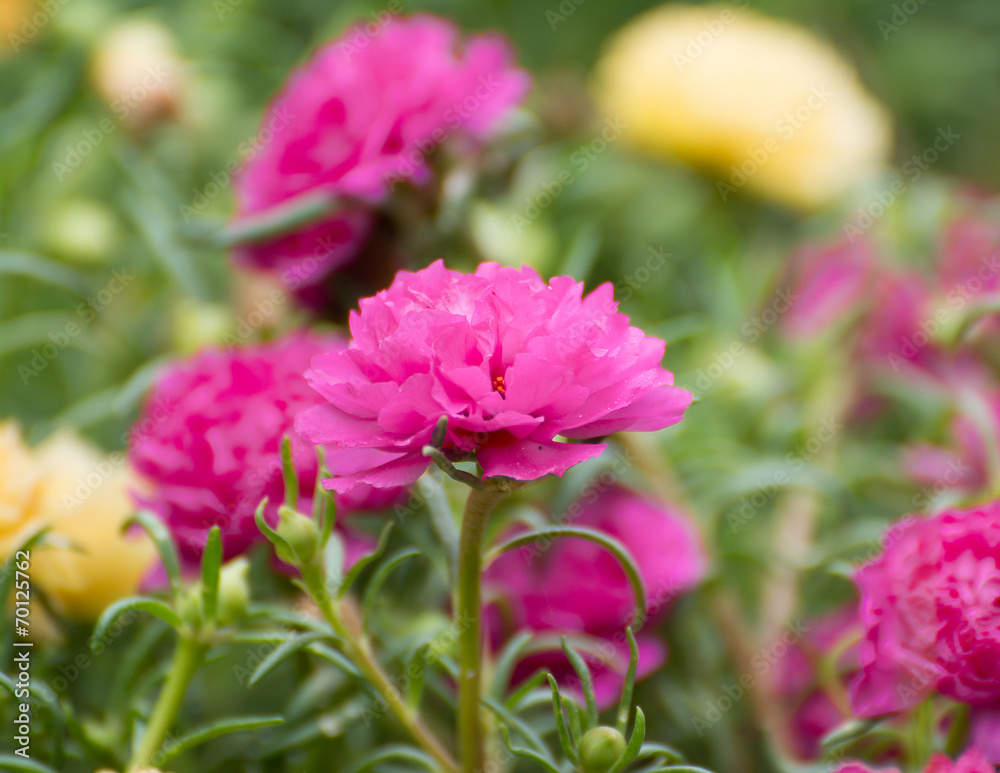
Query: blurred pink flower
(831,283)
(973,761)
(572,586)
(930,608)
(208,444)
(963,466)
(813,712)
(513,362)
(355,120)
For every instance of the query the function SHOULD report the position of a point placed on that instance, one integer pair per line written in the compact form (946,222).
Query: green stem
(468,615)
(959,731)
(187,659)
(359,653)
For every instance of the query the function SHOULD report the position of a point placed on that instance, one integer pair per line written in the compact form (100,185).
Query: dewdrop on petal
(759,102)
(138,74)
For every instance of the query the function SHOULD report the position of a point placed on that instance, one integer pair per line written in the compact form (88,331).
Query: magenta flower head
(973,761)
(209,443)
(516,365)
(930,609)
(363,114)
(572,586)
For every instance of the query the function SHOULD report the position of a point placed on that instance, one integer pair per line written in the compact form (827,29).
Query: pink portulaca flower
(973,761)
(571,586)
(515,364)
(930,608)
(208,444)
(355,120)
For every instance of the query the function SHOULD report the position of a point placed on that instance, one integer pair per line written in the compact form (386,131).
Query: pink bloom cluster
(512,362)
(210,439)
(973,761)
(898,312)
(356,119)
(930,608)
(571,586)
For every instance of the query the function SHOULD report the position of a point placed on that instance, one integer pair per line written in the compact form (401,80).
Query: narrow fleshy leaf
(216,730)
(158,533)
(613,546)
(362,563)
(557,709)
(519,725)
(528,754)
(381,575)
(515,699)
(278,220)
(143,603)
(586,683)
(416,667)
(288,474)
(506,660)
(634,743)
(395,752)
(575,719)
(625,705)
(211,561)
(265,528)
(281,653)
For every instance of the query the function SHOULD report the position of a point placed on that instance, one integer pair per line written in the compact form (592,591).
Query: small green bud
(234,591)
(600,748)
(302,534)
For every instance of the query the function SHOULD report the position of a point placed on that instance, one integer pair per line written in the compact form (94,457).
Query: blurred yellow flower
(138,74)
(82,495)
(759,101)
(15,21)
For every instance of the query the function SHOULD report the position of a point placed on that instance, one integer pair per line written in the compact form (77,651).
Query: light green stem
(360,654)
(187,659)
(468,615)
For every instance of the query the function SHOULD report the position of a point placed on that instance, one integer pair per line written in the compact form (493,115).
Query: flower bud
(138,73)
(600,748)
(234,591)
(302,535)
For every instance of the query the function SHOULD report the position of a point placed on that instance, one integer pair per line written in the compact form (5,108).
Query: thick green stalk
(359,653)
(187,659)
(468,613)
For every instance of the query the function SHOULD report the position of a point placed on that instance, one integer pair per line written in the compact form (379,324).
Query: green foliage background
(122,209)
